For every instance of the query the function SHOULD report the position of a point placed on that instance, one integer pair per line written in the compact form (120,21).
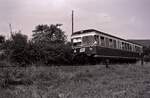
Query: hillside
(145,43)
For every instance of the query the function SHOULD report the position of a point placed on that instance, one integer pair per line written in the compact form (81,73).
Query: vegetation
(147,54)
(52,44)
(48,46)
(119,81)
(2,39)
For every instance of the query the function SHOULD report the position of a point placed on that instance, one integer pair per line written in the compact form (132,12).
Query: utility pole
(11,33)
(72,21)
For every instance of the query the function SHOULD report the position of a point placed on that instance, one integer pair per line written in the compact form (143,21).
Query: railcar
(97,44)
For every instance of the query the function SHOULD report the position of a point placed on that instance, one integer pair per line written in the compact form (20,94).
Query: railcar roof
(93,30)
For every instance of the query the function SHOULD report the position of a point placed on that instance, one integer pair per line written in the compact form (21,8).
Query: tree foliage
(146,50)
(45,34)
(16,48)
(51,42)
(146,54)
(48,46)
(2,39)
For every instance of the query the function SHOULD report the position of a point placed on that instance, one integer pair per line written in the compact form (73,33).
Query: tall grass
(119,81)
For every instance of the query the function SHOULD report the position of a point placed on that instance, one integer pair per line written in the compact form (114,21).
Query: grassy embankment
(119,81)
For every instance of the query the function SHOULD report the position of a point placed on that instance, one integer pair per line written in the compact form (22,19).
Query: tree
(45,33)
(2,39)
(146,54)
(51,42)
(15,48)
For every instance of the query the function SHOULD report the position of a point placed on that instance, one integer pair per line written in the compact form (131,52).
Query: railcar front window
(88,40)
(77,41)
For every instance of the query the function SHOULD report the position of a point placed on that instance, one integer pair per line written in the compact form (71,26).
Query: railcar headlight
(82,50)
(95,43)
(91,48)
(75,51)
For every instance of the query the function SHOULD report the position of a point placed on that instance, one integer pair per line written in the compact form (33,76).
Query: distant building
(145,43)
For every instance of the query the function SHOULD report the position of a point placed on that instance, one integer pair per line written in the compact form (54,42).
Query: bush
(147,58)
(56,53)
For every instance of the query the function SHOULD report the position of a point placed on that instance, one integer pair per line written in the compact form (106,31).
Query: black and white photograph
(74,48)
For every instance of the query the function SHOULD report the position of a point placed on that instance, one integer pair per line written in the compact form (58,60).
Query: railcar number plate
(82,50)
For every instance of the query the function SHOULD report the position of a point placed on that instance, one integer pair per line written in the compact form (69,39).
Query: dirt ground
(90,81)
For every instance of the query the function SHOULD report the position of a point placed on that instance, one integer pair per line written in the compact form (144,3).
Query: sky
(128,19)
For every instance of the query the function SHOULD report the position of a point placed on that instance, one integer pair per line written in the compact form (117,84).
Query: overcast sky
(129,19)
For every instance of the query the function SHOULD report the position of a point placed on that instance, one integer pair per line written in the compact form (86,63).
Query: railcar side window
(123,46)
(96,37)
(114,43)
(127,46)
(102,41)
(107,42)
(110,43)
(141,49)
(133,47)
(137,49)
(130,48)
(119,45)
